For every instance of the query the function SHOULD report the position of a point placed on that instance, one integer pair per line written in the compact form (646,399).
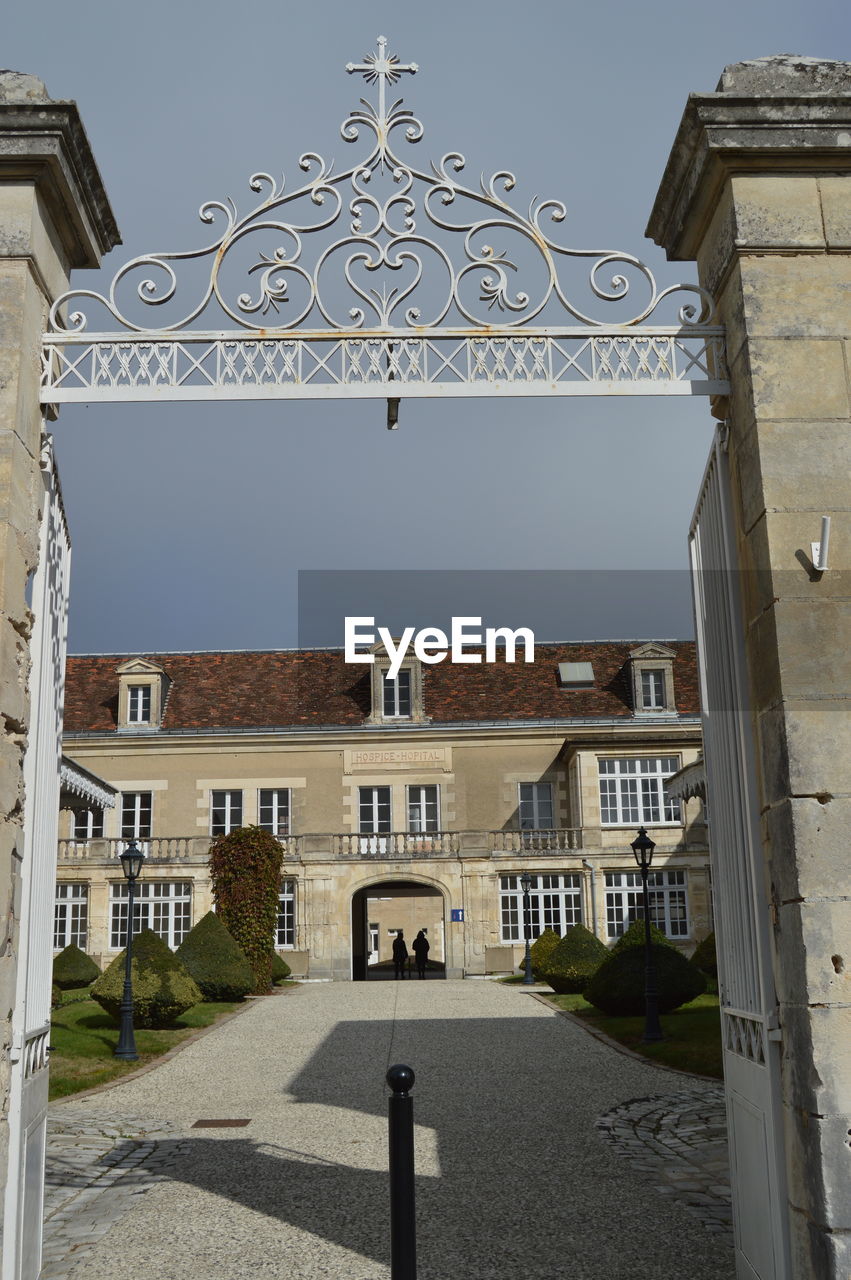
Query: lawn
(83,1040)
(692,1033)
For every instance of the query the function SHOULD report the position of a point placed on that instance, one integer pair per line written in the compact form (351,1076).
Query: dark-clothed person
(421,949)
(400,955)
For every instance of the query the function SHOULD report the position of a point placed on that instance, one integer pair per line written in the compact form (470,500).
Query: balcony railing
(390,846)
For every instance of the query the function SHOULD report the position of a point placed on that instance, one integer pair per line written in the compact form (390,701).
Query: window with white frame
(423,808)
(163,906)
(397,695)
(666,892)
(535,807)
(632,792)
(285,932)
(273,810)
(88,824)
(136,807)
(555,902)
(225,812)
(71,916)
(139,704)
(374,809)
(653,690)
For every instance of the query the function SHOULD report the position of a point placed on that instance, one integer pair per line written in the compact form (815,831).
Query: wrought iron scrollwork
(425,252)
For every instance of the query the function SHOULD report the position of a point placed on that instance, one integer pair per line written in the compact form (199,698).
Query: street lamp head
(643,848)
(526,882)
(132,860)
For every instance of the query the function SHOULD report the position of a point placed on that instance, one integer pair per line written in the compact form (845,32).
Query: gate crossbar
(411,363)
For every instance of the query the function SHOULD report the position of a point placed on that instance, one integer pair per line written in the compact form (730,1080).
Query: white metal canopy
(382,281)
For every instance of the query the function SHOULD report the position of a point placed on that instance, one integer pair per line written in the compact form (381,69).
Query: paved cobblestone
(679,1139)
(95,1167)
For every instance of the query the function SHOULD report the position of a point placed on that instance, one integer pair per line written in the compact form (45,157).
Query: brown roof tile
(314,687)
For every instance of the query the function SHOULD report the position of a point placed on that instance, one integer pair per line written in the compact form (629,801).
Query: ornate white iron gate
(31,1018)
(748,1002)
(412,296)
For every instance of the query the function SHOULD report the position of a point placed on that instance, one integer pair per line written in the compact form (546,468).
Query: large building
(412,802)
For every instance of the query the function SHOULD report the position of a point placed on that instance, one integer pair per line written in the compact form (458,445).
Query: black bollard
(403,1227)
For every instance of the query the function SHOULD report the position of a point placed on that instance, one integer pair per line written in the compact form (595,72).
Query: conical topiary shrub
(162,989)
(706,958)
(280,969)
(634,937)
(73,968)
(578,955)
(540,950)
(617,988)
(216,961)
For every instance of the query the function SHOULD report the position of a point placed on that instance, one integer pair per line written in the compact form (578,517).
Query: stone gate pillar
(758,191)
(54,216)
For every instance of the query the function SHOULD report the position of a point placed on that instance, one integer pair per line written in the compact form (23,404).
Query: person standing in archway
(421,950)
(400,955)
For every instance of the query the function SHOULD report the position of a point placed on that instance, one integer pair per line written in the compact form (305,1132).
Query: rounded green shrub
(216,962)
(162,989)
(705,957)
(245,868)
(617,988)
(73,968)
(541,948)
(634,937)
(570,965)
(280,969)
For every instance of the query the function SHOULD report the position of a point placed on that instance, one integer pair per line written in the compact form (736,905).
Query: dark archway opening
(379,911)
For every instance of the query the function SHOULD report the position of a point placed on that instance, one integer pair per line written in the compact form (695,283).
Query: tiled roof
(313,687)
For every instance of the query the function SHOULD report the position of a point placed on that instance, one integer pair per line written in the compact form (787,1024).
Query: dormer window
(139,704)
(142,689)
(397,695)
(653,680)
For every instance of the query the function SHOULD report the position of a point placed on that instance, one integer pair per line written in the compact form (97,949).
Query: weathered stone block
(806,843)
(800,295)
(836,210)
(794,466)
(814,954)
(799,378)
(804,750)
(777,211)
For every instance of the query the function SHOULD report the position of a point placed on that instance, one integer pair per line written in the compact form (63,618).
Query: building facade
(412,802)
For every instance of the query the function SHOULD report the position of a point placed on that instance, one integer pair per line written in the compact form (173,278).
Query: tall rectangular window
(535,808)
(653,690)
(71,916)
(632,792)
(423,810)
(88,824)
(555,902)
(136,815)
(164,906)
(397,696)
(139,704)
(273,810)
(285,933)
(374,809)
(225,812)
(666,894)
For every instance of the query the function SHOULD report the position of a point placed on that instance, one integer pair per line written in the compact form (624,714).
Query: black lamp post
(131,864)
(643,848)
(526,886)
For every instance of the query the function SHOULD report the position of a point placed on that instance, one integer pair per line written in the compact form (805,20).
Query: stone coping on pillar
(787,112)
(44,142)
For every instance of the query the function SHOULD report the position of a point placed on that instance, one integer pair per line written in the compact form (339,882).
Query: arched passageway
(379,911)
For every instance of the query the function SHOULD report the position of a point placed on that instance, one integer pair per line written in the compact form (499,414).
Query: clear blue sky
(190,522)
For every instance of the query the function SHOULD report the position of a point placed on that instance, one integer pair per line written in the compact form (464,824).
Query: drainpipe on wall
(587,864)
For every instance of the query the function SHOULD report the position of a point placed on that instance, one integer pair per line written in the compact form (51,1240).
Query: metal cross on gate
(383,67)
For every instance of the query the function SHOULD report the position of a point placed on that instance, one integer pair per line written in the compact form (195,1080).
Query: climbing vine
(245,870)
